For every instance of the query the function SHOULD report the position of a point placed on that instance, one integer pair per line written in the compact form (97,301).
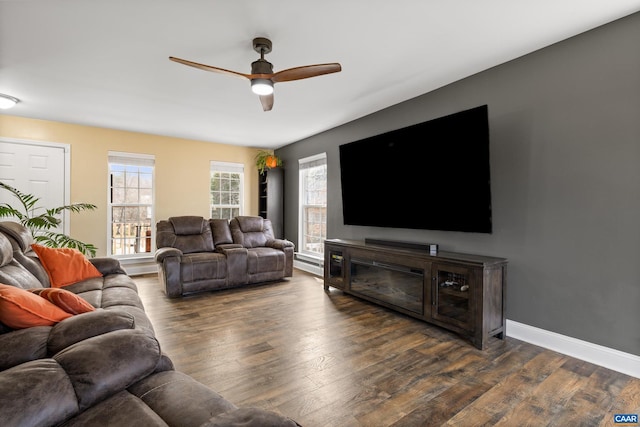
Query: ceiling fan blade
(209,68)
(305,72)
(267,102)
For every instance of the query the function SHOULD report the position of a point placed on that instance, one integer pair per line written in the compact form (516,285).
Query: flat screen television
(433,175)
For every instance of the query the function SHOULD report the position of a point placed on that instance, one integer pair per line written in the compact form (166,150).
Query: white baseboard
(135,267)
(309,268)
(615,360)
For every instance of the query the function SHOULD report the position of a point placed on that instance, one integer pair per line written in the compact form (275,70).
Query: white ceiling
(105,62)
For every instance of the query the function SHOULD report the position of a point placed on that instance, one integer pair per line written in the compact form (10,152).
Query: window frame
(131,159)
(218,166)
(303,165)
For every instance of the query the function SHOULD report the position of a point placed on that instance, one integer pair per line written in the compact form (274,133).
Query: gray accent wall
(565,181)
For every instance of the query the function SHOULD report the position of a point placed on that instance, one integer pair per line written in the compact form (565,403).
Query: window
(131,204)
(227,183)
(313,205)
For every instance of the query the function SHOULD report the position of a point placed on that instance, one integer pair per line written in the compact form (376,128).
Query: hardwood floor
(329,359)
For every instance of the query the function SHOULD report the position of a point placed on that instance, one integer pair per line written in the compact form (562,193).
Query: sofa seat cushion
(162,390)
(120,409)
(108,291)
(264,259)
(203,266)
(114,292)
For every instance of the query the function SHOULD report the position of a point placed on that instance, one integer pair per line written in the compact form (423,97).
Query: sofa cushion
(16,275)
(23,345)
(185,225)
(203,266)
(262,260)
(36,393)
(221,231)
(6,251)
(68,301)
(250,223)
(22,309)
(189,234)
(86,325)
(118,410)
(21,239)
(65,266)
(18,232)
(249,231)
(162,390)
(106,364)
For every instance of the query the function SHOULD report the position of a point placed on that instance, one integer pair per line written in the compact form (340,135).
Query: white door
(35,168)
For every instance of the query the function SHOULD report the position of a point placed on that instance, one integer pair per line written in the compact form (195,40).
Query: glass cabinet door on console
(452,297)
(334,268)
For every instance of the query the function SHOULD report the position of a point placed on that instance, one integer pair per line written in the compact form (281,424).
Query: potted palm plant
(43,225)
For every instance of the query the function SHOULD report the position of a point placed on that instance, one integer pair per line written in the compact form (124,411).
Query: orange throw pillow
(65,266)
(22,309)
(68,301)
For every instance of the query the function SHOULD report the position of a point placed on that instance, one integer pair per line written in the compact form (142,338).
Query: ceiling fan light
(7,101)
(262,86)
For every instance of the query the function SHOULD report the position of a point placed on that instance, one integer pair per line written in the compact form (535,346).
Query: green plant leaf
(47,220)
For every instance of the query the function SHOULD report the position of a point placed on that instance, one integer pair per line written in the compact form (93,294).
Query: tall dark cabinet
(271,199)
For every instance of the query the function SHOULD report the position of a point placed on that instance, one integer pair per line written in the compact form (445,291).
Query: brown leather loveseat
(196,254)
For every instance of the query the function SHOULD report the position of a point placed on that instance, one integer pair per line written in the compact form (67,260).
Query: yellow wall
(182,170)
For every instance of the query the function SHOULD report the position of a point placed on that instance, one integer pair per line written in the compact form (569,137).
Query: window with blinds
(131,204)
(313,205)
(226,189)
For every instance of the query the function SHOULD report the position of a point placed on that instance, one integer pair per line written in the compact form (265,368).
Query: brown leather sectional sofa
(196,254)
(100,368)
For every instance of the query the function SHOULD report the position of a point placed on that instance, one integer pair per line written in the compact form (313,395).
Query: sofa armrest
(236,263)
(169,271)
(279,243)
(82,326)
(287,247)
(107,265)
(163,253)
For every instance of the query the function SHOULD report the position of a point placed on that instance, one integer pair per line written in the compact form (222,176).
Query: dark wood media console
(460,292)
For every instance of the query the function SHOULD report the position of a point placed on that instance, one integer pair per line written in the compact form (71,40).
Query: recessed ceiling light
(7,101)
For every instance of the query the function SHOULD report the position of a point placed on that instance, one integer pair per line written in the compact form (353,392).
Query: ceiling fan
(262,76)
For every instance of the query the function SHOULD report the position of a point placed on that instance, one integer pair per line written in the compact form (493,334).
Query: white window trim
(305,163)
(131,158)
(217,166)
